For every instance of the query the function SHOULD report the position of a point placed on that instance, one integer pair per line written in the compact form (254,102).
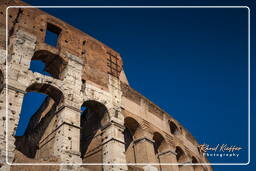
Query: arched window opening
(93,114)
(158,141)
(38,109)
(197,167)
(173,128)
(194,160)
(131,126)
(47,63)
(131,129)
(180,155)
(128,138)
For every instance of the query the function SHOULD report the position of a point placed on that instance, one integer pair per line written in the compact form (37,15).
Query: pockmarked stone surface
(91,119)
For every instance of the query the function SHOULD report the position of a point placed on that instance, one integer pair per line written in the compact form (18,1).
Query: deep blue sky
(190,62)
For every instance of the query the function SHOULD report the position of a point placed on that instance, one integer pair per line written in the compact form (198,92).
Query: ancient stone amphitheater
(119,129)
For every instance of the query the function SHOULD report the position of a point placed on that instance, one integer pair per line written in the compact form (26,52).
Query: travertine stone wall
(130,128)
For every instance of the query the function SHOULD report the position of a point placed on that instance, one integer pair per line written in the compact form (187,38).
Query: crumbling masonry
(118,125)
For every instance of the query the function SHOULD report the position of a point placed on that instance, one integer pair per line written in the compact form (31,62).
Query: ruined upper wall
(94,54)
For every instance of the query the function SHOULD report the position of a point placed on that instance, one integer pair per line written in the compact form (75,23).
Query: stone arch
(180,155)
(28,144)
(173,128)
(194,160)
(54,64)
(160,144)
(48,89)
(197,167)
(93,119)
(131,131)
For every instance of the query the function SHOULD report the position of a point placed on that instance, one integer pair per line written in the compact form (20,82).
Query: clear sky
(193,63)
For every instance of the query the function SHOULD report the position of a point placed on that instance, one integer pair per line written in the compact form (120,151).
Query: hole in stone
(52,34)
(39,67)
(47,63)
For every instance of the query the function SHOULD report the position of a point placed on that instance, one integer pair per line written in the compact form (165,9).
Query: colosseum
(119,129)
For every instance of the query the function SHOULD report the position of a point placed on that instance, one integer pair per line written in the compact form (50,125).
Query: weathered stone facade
(118,126)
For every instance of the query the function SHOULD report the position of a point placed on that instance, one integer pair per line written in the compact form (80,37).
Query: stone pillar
(67,135)
(144,150)
(149,168)
(21,49)
(186,168)
(168,156)
(113,147)
(15,99)
(2,125)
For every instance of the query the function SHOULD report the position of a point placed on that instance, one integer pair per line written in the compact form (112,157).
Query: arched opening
(1,81)
(196,167)
(131,128)
(38,109)
(47,63)
(158,142)
(160,146)
(194,160)
(173,128)
(180,155)
(94,114)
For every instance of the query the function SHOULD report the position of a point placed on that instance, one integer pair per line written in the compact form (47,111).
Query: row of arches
(133,132)
(94,116)
(91,122)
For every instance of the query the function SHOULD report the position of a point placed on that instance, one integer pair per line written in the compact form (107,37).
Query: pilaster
(113,147)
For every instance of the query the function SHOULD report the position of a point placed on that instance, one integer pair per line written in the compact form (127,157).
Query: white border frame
(137,164)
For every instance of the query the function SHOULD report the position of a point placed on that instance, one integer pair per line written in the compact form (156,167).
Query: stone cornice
(143,139)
